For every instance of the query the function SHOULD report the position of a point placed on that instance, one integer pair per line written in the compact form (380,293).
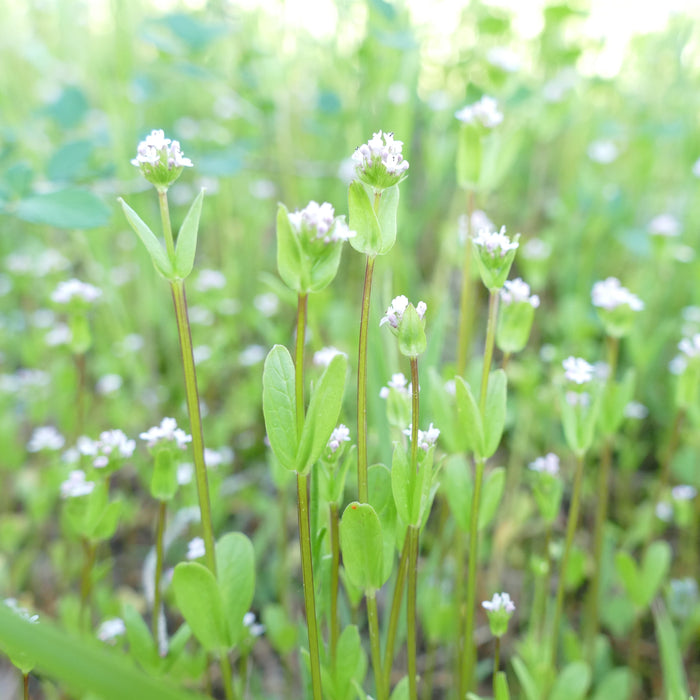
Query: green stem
(165,220)
(335,580)
(373,621)
(413,534)
(414,415)
(461,610)
(395,611)
(427,678)
(570,530)
(160,531)
(466,303)
(496,662)
(299,361)
(25,679)
(670,452)
(90,550)
(227,676)
(362,479)
(488,348)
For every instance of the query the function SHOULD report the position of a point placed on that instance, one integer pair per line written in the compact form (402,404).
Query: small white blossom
(155,150)
(251,355)
(398,382)
(110,629)
(22,612)
(578,370)
(76,486)
(381,148)
(209,279)
(45,438)
(516,291)
(500,601)
(665,225)
(60,334)
(495,243)
(201,353)
(215,458)
(678,365)
(636,410)
(71,289)
(451,387)
(397,308)
(185,472)
(549,464)
(108,384)
(603,152)
(323,357)
(254,628)
(485,111)
(267,303)
(610,294)
(111,443)
(339,435)
(321,220)
(578,398)
(167,431)
(684,492)
(426,438)
(201,315)
(195,549)
(664,511)
(690,347)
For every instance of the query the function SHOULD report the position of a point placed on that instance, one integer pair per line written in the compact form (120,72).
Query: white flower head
(636,410)
(76,485)
(397,382)
(665,225)
(339,435)
(497,244)
(426,438)
(167,431)
(156,150)
(21,611)
(111,445)
(320,222)
(380,162)
(397,308)
(549,464)
(690,347)
(500,601)
(484,112)
(195,549)
(603,152)
(684,492)
(323,357)
(45,438)
(111,629)
(577,370)
(71,289)
(610,294)
(210,279)
(664,511)
(518,292)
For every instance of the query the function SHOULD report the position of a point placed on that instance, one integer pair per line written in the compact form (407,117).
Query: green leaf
(458,489)
(350,663)
(491,495)
(235,565)
(495,413)
(322,414)
(402,484)
(186,245)
(382,500)
(386,215)
(199,600)
(68,209)
(164,478)
(655,567)
(148,238)
(289,253)
(401,691)
(629,574)
(281,633)
(527,682)
(83,664)
(70,161)
(572,683)
(616,684)
(362,545)
(363,220)
(615,398)
(468,156)
(675,682)
(469,418)
(279,406)
(141,645)
(502,692)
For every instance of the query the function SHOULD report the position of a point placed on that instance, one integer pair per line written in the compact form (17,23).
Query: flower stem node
(499,609)
(160,160)
(495,253)
(407,323)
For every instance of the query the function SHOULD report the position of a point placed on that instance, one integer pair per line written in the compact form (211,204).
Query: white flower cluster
(384,149)
(684,492)
(690,347)
(426,438)
(45,438)
(495,243)
(577,370)
(603,152)
(151,150)
(167,431)
(549,464)
(110,629)
(397,308)
(339,435)
(195,549)
(665,225)
(517,291)
(321,218)
(609,294)
(66,291)
(500,601)
(255,629)
(111,443)
(75,485)
(323,357)
(398,382)
(485,111)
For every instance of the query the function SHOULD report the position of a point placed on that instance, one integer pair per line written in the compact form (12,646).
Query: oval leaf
(186,245)
(386,215)
(235,565)
(495,413)
(67,209)
(572,683)
(491,495)
(289,255)
(363,220)
(362,545)
(148,238)
(469,418)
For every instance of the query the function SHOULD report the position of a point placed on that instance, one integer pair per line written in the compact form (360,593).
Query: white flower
(209,279)
(664,511)
(500,601)
(201,353)
(66,291)
(684,492)
(578,370)
(251,355)
(495,243)
(215,458)
(636,410)
(110,629)
(249,621)
(195,549)
(167,431)
(267,303)
(323,357)
(381,148)
(426,438)
(185,472)
(549,464)
(664,225)
(16,608)
(690,347)
(397,308)
(45,438)
(76,486)
(485,111)
(111,443)
(603,152)
(398,382)
(156,149)
(339,435)
(609,294)
(516,291)
(60,334)
(320,220)
(108,384)
(504,58)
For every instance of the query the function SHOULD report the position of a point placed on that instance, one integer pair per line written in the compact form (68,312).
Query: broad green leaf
(629,574)
(382,500)
(186,245)
(469,418)
(572,683)
(199,600)
(70,161)
(502,692)
(458,488)
(235,566)
(351,661)
(279,406)
(105,527)
(386,215)
(468,156)
(402,484)
(401,691)
(444,412)
(84,664)
(527,682)
(655,566)
(289,253)
(322,414)
(141,645)
(495,413)
(363,220)
(617,684)
(362,546)
(615,398)
(491,495)
(324,266)
(675,682)
(148,238)
(68,209)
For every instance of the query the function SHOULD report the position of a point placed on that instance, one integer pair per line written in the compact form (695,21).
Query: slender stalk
(496,662)
(90,551)
(335,580)
(227,676)
(466,303)
(461,610)
(570,530)
(488,348)
(373,622)
(670,452)
(414,415)
(362,479)
(307,568)
(395,610)
(160,531)
(413,533)
(165,220)
(80,369)
(25,679)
